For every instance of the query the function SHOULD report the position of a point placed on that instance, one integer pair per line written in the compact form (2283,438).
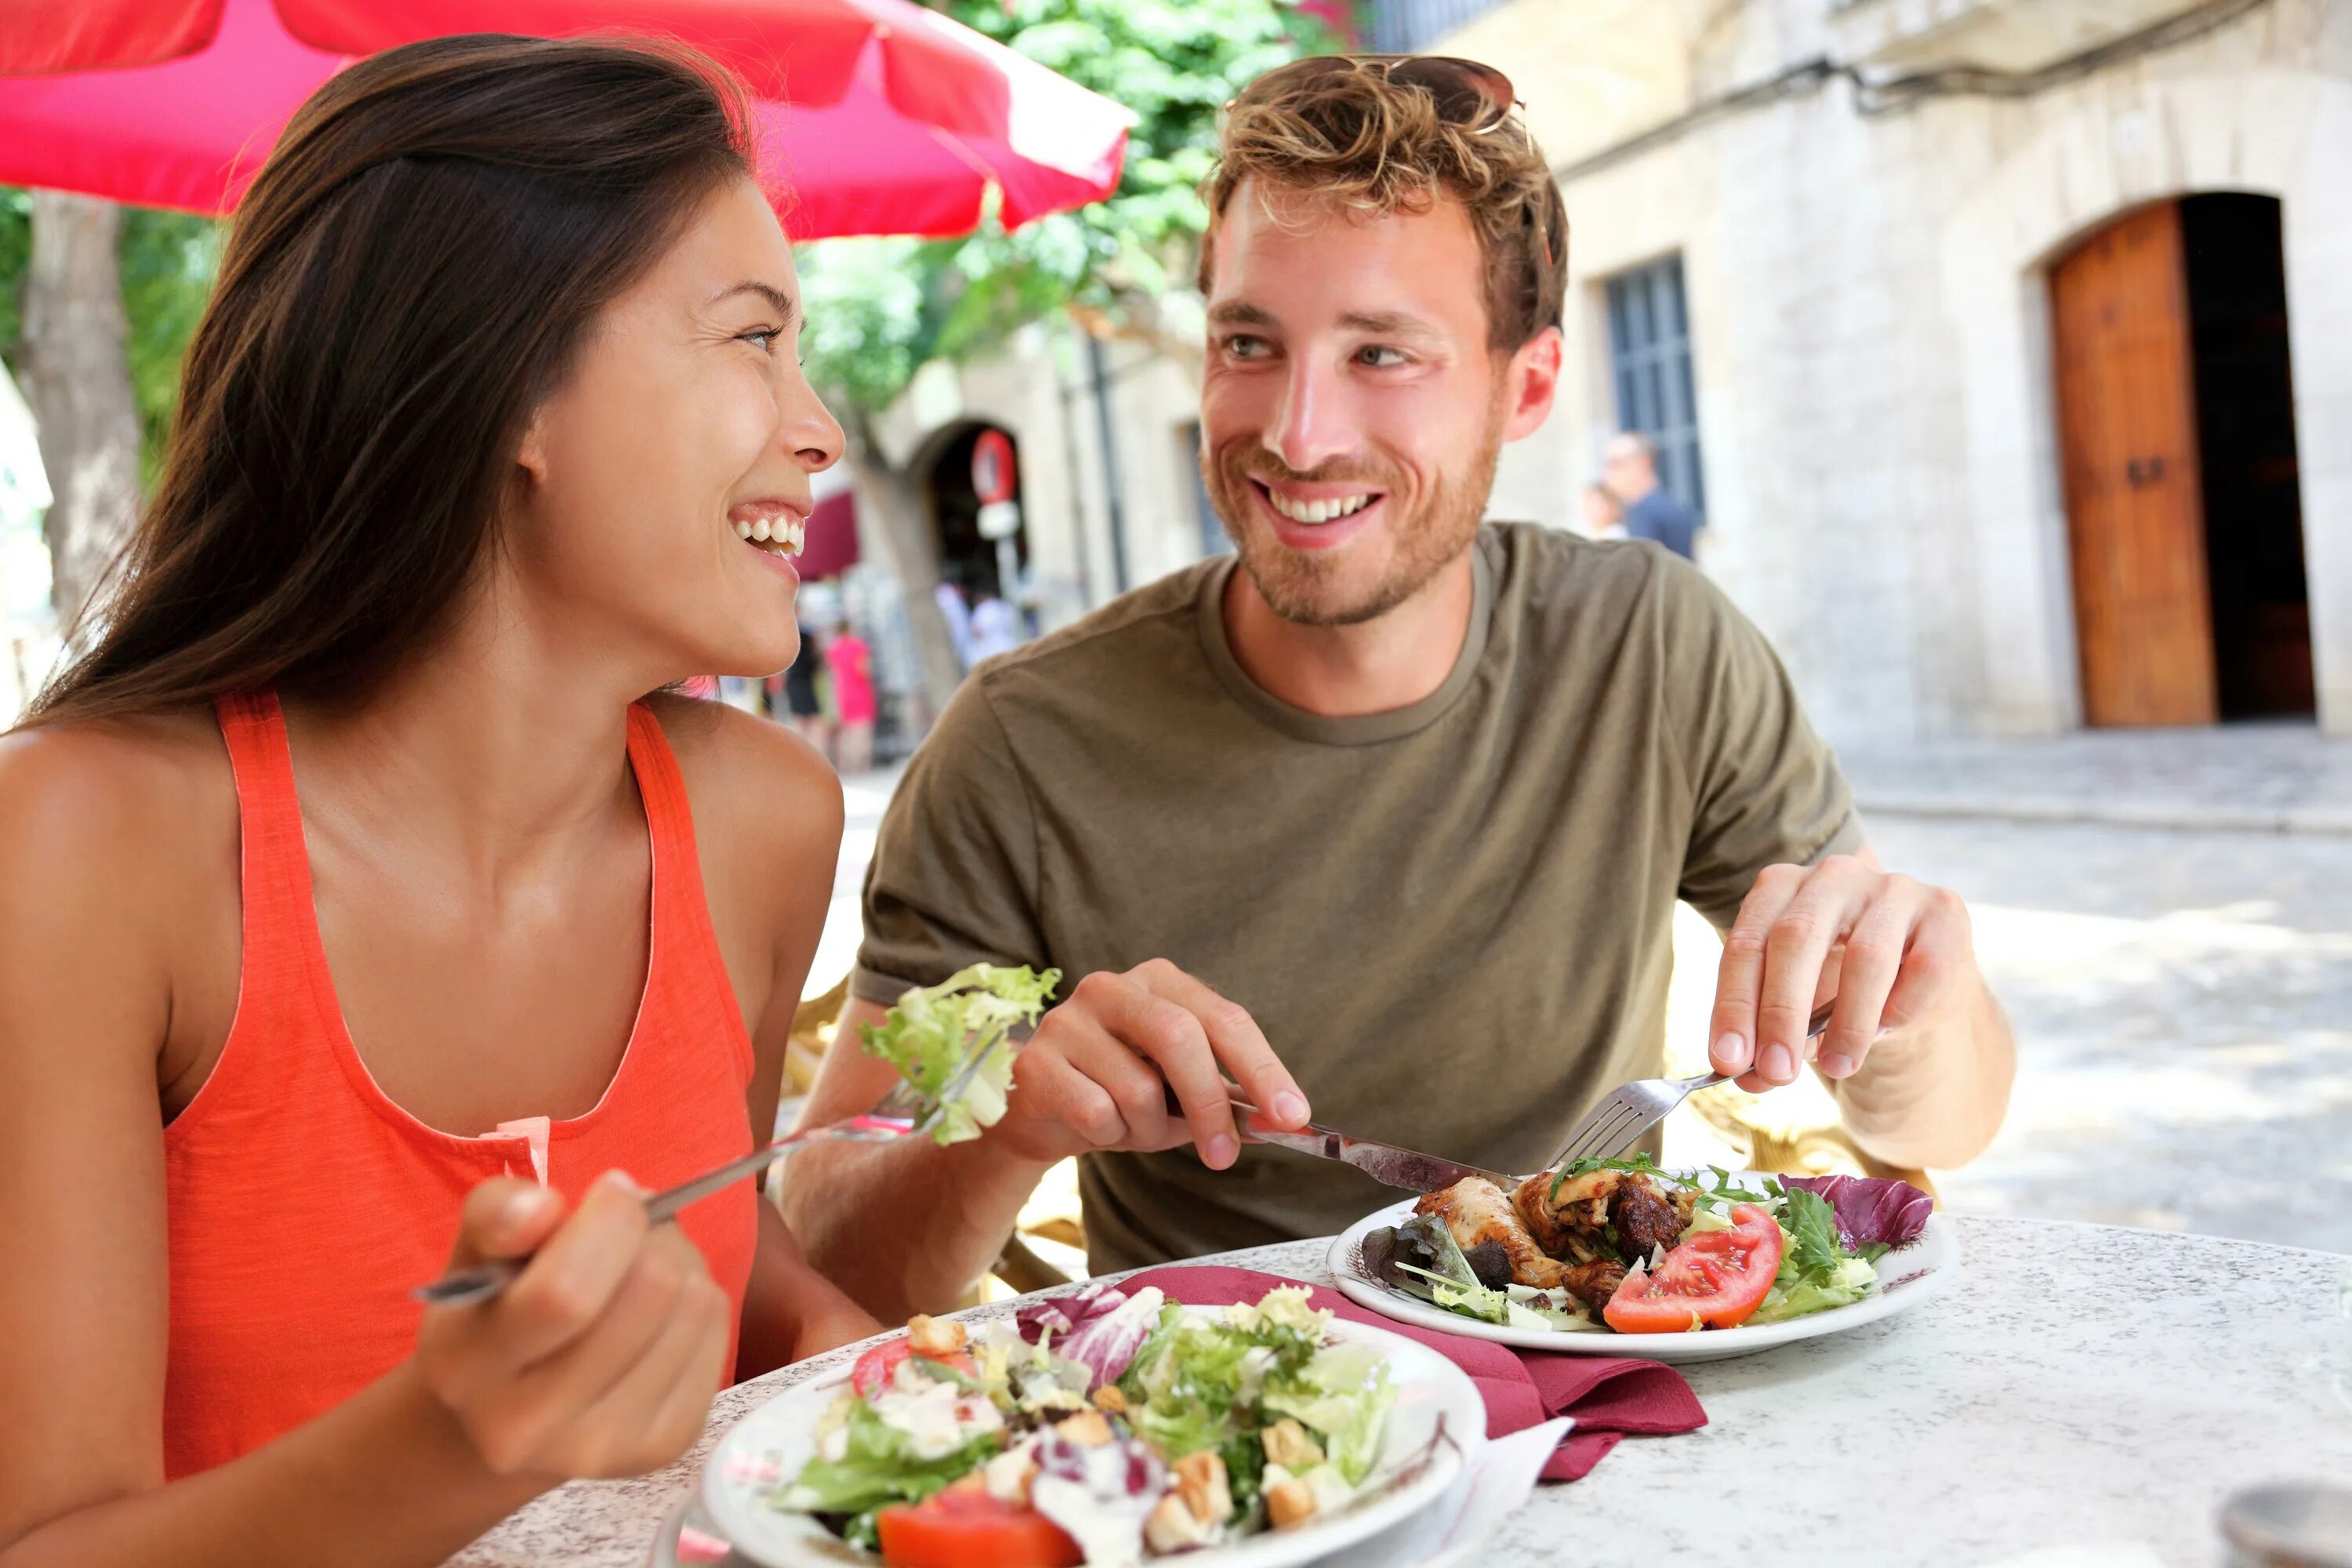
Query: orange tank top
(303,1205)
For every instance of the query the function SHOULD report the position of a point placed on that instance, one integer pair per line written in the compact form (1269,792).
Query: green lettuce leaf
(933,1029)
(1343,1394)
(879,1466)
(1842,1286)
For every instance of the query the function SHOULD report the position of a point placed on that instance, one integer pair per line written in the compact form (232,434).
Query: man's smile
(1317,516)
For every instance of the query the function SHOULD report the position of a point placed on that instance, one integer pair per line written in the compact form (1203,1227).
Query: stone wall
(1870,345)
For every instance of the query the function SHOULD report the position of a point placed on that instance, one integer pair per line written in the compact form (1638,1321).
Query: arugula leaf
(933,1029)
(1814,1251)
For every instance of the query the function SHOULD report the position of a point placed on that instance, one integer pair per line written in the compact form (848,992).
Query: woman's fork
(904,1113)
(1637,1107)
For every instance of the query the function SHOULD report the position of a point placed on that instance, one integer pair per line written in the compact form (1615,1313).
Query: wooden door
(2135,510)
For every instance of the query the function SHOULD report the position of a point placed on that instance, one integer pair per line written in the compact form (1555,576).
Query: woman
(357,896)
(849,663)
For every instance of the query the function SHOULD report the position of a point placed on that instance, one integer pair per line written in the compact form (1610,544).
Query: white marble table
(2083,1397)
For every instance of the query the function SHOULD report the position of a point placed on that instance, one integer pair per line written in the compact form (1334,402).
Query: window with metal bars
(1650,364)
(1409,27)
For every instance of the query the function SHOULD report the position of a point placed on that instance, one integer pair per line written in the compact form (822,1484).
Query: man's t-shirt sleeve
(953,877)
(1765,789)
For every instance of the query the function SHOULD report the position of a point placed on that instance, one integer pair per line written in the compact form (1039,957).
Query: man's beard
(1305,587)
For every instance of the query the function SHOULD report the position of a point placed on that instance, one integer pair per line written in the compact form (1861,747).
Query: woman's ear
(530,455)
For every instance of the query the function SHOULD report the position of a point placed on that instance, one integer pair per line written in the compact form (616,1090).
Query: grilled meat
(1593,1283)
(1475,1211)
(1574,1223)
(1645,1221)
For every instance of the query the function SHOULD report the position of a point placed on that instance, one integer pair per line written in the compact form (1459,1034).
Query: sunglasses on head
(1476,97)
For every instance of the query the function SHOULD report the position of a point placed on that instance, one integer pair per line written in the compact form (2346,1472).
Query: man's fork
(1633,1110)
(905,1112)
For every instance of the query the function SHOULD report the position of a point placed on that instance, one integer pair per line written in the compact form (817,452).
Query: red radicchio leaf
(1100,1327)
(1871,1208)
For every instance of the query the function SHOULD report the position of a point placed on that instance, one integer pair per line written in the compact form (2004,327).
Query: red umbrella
(923,113)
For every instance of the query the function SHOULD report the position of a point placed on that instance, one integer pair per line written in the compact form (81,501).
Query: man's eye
(1379,358)
(1241,345)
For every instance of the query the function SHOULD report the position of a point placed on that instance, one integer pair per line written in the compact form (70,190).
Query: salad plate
(1433,1426)
(1900,1279)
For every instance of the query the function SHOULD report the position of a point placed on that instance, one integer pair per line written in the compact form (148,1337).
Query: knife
(1384,1162)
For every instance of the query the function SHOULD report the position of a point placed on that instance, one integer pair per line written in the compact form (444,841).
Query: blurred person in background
(949,596)
(849,668)
(995,625)
(363,915)
(1320,819)
(804,707)
(1599,513)
(1630,471)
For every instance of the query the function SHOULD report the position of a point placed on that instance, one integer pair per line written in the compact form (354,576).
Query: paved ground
(2268,777)
(2183,997)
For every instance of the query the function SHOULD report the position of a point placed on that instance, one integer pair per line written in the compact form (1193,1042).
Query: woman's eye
(760,338)
(1380,358)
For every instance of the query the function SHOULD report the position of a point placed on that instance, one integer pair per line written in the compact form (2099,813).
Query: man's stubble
(1299,586)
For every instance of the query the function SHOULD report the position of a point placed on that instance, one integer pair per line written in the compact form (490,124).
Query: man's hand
(1895,952)
(1096,1073)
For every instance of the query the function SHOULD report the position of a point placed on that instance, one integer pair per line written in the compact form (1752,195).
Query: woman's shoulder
(748,772)
(128,826)
(135,782)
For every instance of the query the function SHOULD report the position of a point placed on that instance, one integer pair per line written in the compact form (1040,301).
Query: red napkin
(1608,1395)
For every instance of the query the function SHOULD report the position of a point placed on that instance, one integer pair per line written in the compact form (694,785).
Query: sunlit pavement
(2183,1002)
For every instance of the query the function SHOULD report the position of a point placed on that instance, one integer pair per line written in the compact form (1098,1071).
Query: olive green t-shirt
(1452,920)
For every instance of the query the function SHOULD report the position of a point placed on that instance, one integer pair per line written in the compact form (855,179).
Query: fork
(1637,1107)
(904,1113)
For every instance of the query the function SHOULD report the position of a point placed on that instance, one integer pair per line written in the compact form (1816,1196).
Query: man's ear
(1534,383)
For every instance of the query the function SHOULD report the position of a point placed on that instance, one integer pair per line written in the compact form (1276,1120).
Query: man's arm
(907,1226)
(903,1227)
(1917,1052)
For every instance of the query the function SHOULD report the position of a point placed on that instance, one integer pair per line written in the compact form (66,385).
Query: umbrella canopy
(922,115)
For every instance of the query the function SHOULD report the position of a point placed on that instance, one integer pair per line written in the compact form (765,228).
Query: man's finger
(1111,1049)
(1240,1045)
(1740,976)
(1795,948)
(1941,947)
(1874,955)
(1048,1089)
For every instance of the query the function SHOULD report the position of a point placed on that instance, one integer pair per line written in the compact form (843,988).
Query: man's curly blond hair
(1373,145)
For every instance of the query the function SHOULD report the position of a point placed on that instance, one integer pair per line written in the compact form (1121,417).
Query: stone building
(2005,346)
(1971,325)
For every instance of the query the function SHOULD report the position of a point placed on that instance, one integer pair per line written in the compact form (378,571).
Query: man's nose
(1312,426)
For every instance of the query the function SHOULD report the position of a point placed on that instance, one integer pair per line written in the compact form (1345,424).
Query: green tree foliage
(879,308)
(168,260)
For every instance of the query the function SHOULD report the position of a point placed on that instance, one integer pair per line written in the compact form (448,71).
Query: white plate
(1905,1278)
(776,1439)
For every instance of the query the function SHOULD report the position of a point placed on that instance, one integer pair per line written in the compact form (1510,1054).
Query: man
(1630,469)
(1390,812)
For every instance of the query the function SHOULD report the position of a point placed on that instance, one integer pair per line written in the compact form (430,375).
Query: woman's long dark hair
(410,273)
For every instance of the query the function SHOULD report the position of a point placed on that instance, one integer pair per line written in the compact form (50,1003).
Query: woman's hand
(601,1359)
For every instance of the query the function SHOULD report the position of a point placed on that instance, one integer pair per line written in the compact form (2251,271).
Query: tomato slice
(873,1372)
(964,1527)
(1715,1280)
